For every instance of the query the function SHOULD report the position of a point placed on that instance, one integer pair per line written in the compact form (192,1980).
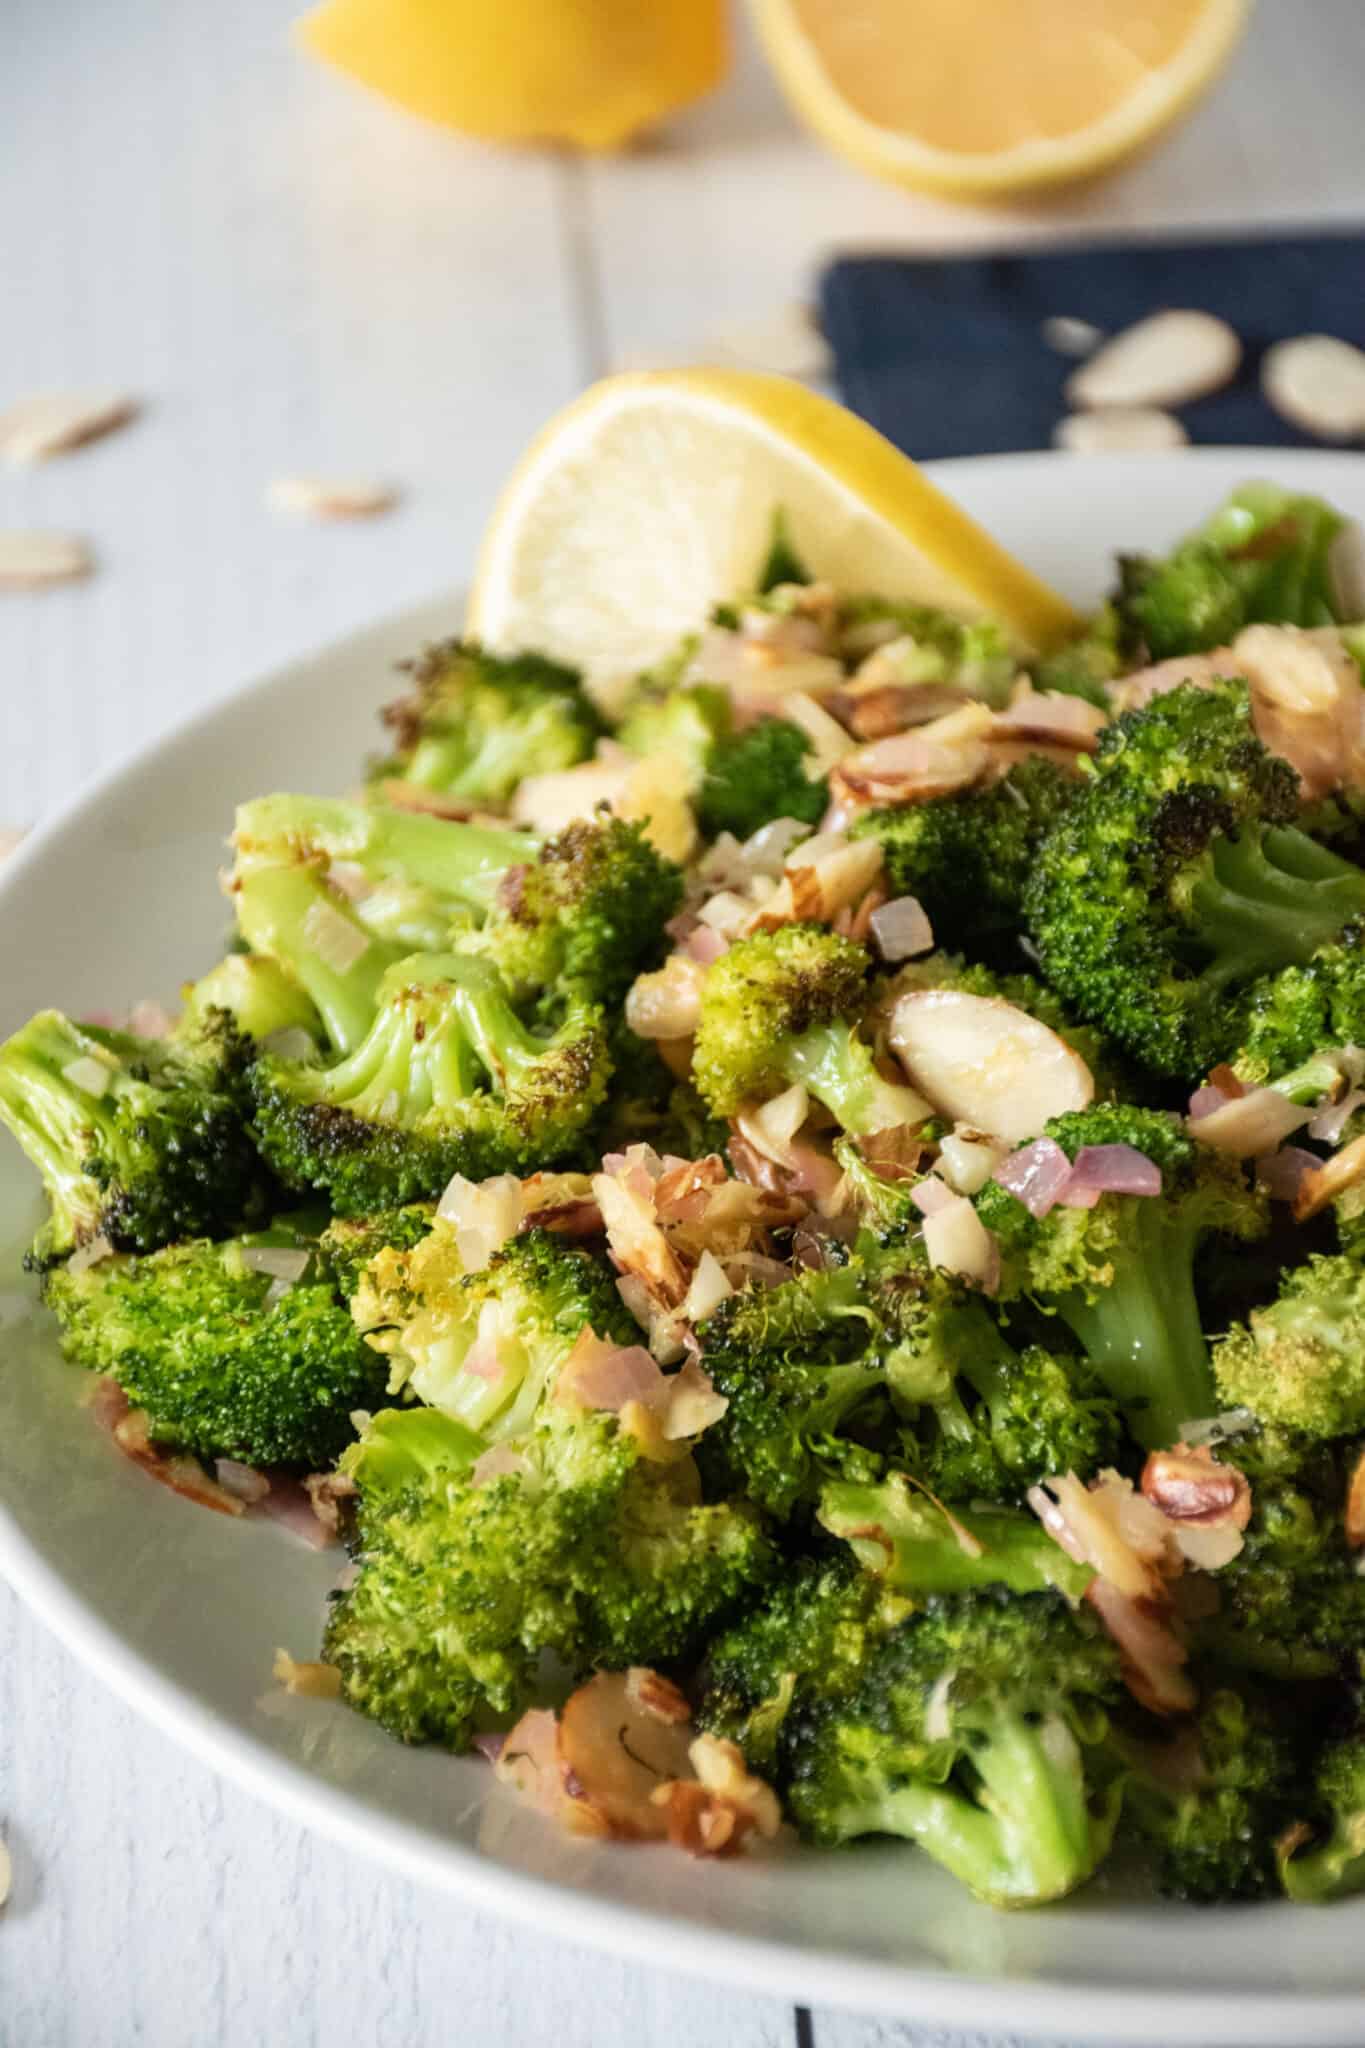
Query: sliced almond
(984,1062)
(1340,1172)
(52,422)
(30,561)
(1118,430)
(1317,383)
(310,1680)
(1167,359)
(331,498)
(614,1755)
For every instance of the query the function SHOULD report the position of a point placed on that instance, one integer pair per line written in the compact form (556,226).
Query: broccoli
(1262,556)
(1333,1865)
(351,1243)
(1209,1801)
(933,647)
(524,1312)
(785,1007)
(1290,1016)
(581,1550)
(1121,1274)
(968,857)
(915,1546)
(682,723)
(1300,1363)
(781,565)
(475,723)
(973,1731)
(1082,665)
(758,775)
(258,993)
(290,914)
(809,1638)
(1174,888)
(242,1350)
(449,1080)
(140,1141)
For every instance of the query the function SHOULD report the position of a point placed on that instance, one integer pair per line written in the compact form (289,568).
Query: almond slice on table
(1118,430)
(1317,382)
(982,1061)
(1166,359)
(31,561)
(51,423)
(331,498)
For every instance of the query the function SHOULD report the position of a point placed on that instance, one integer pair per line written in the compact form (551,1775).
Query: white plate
(181,1611)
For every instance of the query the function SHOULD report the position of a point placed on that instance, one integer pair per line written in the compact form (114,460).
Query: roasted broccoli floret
(931,646)
(1329,1862)
(1262,556)
(580,1549)
(1300,1363)
(1121,1274)
(754,776)
(474,723)
(448,1080)
(1082,665)
(809,1638)
(1210,1800)
(973,1731)
(1175,889)
(916,1546)
(350,1243)
(241,1350)
(140,1141)
(785,1007)
(485,1346)
(258,993)
(968,857)
(682,724)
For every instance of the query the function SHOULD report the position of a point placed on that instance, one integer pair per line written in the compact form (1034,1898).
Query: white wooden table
(299,280)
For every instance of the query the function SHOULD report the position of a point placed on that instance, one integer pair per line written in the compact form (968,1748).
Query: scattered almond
(981,1061)
(311,1681)
(53,422)
(30,561)
(613,1755)
(1118,430)
(1317,383)
(1071,337)
(318,498)
(1164,360)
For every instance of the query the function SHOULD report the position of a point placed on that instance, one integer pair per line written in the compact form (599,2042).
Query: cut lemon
(973,97)
(587,72)
(653,496)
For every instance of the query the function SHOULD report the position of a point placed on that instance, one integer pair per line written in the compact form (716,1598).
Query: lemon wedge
(591,73)
(652,498)
(974,97)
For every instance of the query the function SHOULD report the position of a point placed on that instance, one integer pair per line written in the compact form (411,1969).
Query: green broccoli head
(588,913)
(968,857)
(1329,1862)
(785,1007)
(1288,1017)
(682,724)
(1300,1363)
(1174,889)
(932,646)
(754,776)
(448,1080)
(578,1549)
(140,1141)
(1210,1801)
(243,1349)
(474,723)
(486,1346)
(351,1243)
(1121,1274)
(1082,665)
(916,1546)
(973,1731)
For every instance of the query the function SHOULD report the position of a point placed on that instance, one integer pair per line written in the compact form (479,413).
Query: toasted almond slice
(53,422)
(614,1755)
(981,1061)
(1118,430)
(1338,1173)
(311,1680)
(1166,359)
(1317,382)
(324,498)
(29,561)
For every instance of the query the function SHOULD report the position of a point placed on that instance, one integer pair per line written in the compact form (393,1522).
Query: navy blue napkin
(946,355)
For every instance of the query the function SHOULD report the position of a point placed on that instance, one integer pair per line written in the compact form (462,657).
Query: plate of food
(694,1269)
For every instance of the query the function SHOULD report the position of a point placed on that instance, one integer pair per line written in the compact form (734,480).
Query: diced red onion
(931,1197)
(281,1261)
(1077,1195)
(293,1043)
(705,945)
(765,852)
(333,937)
(681,927)
(90,1253)
(1115,1170)
(1036,1175)
(1328,1126)
(150,1019)
(242,1480)
(901,929)
(1205,1100)
(490,1746)
(1281,1173)
(499,1462)
(90,1075)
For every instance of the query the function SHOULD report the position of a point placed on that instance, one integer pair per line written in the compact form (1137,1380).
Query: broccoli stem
(463,863)
(1269,899)
(274,907)
(839,1070)
(54,1122)
(915,1546)
(1142,1331)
